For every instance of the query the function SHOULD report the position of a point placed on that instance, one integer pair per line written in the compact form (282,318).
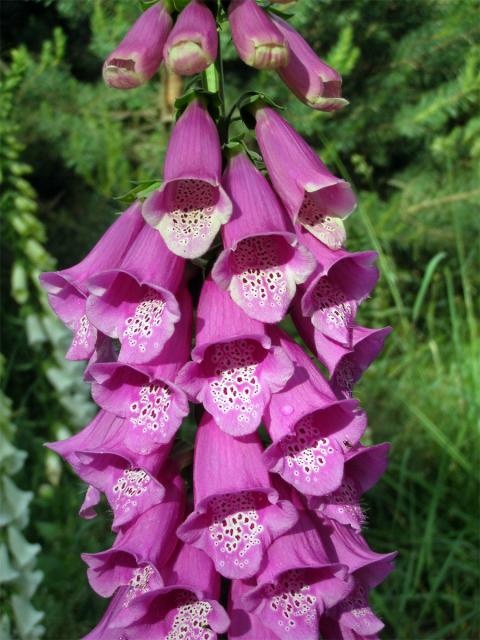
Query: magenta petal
(262,262)
(309,192)
(190,207)
(91,500)
(340,283)
(153,406)
(256,38)
(313,464)
(130,490)
(310,78)
(237,512)
(192,44)
(136,303)
(140,53)
(235,373)
(149,541)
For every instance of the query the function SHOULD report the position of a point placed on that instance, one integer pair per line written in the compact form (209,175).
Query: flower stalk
(277,515)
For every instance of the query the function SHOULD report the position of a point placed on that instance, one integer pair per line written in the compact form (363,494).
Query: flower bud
(307,76)
(140,53)
(257,40)
(192,44)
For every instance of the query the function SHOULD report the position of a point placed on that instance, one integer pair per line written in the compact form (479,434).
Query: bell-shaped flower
(363,468)
(262,262)
(298,584)
(99,456)
(140,53)
(237,513)
(332,294)
(136,302)
(312,196)
(67,289)
(192,43)
(244,625)
(309,428)
(191,205)
(257,40)
(235,368)
(147,396)
(367,569)
(311,79)
(186,606)
(146,544)
(346,365)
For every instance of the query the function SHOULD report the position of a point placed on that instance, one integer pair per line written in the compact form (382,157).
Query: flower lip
(195,218)
(199,351)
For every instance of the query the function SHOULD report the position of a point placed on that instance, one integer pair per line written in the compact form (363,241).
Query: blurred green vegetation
(409,142)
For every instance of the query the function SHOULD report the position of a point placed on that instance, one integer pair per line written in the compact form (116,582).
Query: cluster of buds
(279,468)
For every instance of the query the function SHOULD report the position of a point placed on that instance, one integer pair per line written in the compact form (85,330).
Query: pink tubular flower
(235,368)
(191,205)
(67,289)
(192,44)
(332,294)
(299,582)
(237,512)
(257,40)
(309,428)
(148,398)
(363,468)
(306,75)
(367,569)
(262,262)
(136,302)
(345,365)
(313,197)
(139,55)
(145,544)
(99,457)
(186,606)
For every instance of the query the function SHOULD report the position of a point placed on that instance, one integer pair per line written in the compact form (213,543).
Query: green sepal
(249,102)
(140,191)
(211,100)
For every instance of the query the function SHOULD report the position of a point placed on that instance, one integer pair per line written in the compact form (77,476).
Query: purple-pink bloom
(367,569)
(299,582)
(257,40)
(149,541)
(140,53)
(363,468)
(191,205)
(237,513)
(192,43)
(311,79)
(262,262)
(136,302)
(235,368)
(67,289)
(312,196)
(186,606)
(332,294)
(147,395)
(311,430)
(345,364)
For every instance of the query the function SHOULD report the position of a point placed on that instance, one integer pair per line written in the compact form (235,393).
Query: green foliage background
(410,143)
